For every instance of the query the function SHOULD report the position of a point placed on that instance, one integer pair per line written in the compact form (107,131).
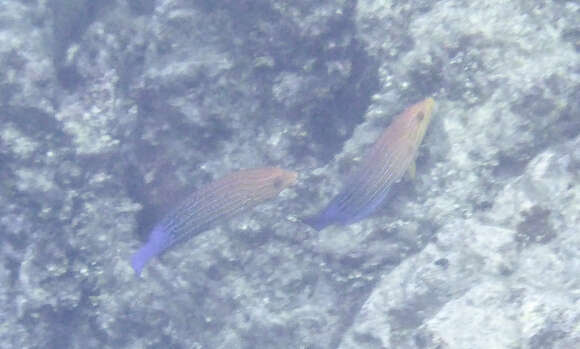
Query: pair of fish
(386,162)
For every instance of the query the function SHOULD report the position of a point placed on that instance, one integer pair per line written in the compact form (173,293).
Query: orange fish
(217,201)
(386,162)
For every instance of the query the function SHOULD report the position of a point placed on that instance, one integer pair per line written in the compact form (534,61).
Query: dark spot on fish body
(420,116)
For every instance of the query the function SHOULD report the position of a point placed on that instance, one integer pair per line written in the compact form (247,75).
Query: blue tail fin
(156,244)
(141,257)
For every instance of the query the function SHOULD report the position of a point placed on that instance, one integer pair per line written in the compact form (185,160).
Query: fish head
(417,119)
(283,178)
(269,181)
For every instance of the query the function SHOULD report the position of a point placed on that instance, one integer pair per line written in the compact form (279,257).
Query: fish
(390,157)
(222,199)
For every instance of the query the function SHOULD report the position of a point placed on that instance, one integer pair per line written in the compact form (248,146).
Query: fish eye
(420,116)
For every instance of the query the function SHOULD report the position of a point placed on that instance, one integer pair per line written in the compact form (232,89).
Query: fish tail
(157,243)
(143,256)
(140,259)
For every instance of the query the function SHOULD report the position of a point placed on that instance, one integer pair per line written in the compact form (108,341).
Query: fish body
(386,162)
(217,201)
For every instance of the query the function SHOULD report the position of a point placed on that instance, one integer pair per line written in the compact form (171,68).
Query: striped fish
(386,162)
(217,201)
